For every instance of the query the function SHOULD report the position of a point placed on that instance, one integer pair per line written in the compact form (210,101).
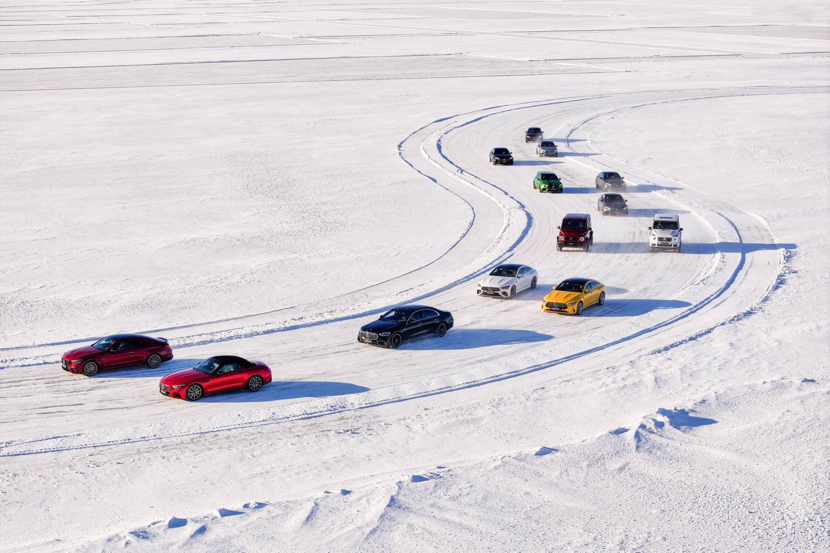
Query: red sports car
(221,373)
(120,350)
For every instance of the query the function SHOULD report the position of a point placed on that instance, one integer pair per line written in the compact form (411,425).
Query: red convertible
(221,373)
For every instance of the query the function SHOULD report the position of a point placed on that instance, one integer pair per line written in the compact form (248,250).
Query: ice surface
(261,179)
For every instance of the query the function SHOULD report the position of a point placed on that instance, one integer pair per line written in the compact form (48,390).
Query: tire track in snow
(625,347)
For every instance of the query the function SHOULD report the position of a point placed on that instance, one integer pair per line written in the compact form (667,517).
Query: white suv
(665,233)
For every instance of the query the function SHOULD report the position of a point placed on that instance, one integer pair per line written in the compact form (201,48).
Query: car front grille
(554,305)
(364,335)
(664,239)
(165,388)
(489,289)
(65,364)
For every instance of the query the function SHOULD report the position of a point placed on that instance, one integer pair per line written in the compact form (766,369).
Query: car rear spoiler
(162,340)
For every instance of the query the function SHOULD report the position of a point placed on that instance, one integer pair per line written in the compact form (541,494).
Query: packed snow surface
(262,178)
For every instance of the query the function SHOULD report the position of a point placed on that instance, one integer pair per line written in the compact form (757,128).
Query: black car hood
(382,326)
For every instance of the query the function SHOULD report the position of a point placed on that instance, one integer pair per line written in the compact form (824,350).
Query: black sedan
(612,204)
(405,323)
(533,134)
(501,155)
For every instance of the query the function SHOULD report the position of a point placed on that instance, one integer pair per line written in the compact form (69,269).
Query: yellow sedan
(573,295)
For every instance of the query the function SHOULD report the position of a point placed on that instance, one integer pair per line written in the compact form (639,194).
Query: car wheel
(512,293)
(254,383)
(579,308)
(510,162)
(441,331)
(559,248)
(650,249)
(679,248)
(194,392)
(395,341)
(154,361)
(533,284)
(601,299)
(90,368)
(587,246)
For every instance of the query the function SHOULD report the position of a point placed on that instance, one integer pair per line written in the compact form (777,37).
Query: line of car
(226,372)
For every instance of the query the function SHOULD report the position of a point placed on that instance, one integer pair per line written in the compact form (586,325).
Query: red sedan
(120,350)
(221,373)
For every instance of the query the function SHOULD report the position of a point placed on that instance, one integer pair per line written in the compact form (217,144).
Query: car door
(429,321)
(413,325)
(119,354)
(599,179)
(226,378)
(522,278)
(591,295)
(140,352)
(601,202)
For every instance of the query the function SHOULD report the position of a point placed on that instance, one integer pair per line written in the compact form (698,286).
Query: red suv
(575,232)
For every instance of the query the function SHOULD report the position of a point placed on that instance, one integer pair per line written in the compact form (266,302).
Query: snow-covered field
(262,178)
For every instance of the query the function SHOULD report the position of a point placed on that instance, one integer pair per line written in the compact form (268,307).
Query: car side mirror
(680,229)
(559,227)
(649,228)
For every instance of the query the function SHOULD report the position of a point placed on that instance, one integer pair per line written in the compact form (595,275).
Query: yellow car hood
(560,296)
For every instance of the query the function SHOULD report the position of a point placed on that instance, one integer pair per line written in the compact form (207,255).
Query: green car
(547,182)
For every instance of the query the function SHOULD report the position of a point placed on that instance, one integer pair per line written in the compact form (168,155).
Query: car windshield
(534,129)
(548,144)
(103,343)
(396,315)
(208,366)
(548,176)
(613,198)
(665,225)
(612,176)
(504,272)
(501,151)
(575,224)
(570,286)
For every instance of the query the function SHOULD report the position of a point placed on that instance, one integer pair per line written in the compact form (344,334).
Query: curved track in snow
(729,263)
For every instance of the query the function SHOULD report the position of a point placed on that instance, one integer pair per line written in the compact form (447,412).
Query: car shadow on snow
(689,248)
(470,338)
(652,212)
(142,371)
(530,162)
(282,390)
(543,290)
(631,307)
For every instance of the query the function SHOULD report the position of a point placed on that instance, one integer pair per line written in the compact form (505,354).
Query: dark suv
(533,134)
(501,155)
(575,232)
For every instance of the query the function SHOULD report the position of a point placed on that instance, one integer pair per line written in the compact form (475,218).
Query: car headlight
(581,238)
(571,303)
(384,334)
(177,386)
(606,208)
(76,361)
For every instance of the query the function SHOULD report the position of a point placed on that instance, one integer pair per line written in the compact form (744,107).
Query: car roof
(225,359)
(534,128)
(666,217)
(414,307)
(126,336)
(576,216)
(579,280)
(509,266)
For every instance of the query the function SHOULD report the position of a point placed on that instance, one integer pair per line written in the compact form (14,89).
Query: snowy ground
(261,179)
